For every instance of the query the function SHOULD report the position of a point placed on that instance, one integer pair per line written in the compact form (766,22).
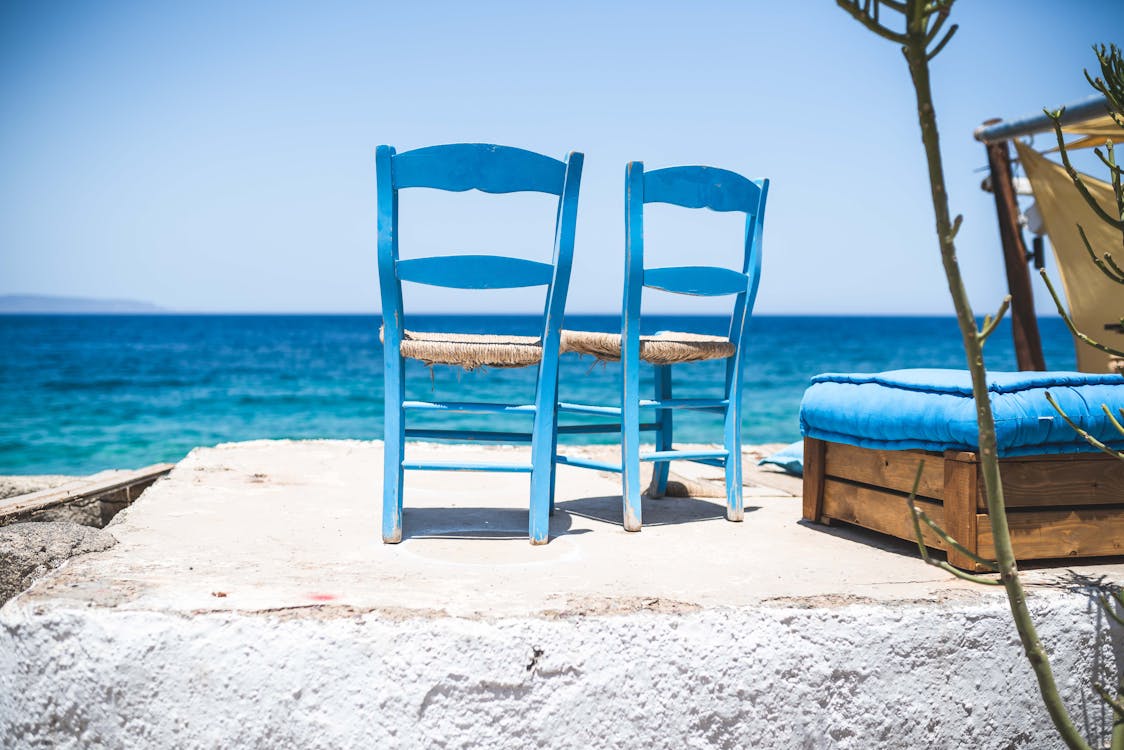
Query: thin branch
(869,18)
(1083,432)
(916,514)
(935,28)
(955,227)
(1106,264)
(1119,428)
(1108,162)
(948,539)
(1106,696)
(1074,175)
(1069,321)
(990,323)
(940,45)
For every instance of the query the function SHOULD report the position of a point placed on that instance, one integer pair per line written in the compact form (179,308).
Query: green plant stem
(1069,321)
(918,59)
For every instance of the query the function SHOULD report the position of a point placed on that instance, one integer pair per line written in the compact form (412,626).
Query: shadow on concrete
(663,511)
(511,523)
(870,538)
(477,523)
(1091,713)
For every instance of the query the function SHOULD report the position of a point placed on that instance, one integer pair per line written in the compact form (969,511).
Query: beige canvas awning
(1093,299)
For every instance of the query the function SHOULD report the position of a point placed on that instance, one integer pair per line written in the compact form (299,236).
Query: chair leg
(544,438)
(394,437)
(735,506)
(660,470)
(630,447)
(553,460)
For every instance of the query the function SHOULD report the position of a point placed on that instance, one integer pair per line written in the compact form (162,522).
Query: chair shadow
(662,511)
(477,523)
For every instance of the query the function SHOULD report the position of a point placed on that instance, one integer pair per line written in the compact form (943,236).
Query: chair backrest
(693,187)
(491,169)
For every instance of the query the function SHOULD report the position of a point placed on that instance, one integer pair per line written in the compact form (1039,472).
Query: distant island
(30,304)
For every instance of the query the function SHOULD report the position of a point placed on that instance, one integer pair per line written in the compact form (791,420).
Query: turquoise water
(80,394)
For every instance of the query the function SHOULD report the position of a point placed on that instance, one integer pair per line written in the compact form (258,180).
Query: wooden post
(815,460)
(961,477)
(1024,322)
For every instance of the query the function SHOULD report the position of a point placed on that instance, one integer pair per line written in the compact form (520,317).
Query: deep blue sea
(83,393)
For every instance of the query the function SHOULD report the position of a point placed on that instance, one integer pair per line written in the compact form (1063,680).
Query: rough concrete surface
(31,550)
(250,603)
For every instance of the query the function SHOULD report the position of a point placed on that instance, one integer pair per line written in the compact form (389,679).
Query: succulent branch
(1069,321)
(1117,705)
(990,323)
(1119,428)
(919,17)
(918,516)
(1106,263)
(867,14)
(1110,83)
(1085,435)
(941,44)
(1116,222)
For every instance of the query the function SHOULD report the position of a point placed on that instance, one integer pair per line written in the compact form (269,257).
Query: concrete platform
(250,603)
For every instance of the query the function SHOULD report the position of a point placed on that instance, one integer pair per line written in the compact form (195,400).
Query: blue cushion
(933,410)
(790,458)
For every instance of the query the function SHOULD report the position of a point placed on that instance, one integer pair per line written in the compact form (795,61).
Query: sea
(83,393)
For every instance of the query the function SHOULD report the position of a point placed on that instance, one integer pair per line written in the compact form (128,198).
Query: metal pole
(1024,322)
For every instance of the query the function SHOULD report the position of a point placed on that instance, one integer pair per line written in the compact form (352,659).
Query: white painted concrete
(249,603)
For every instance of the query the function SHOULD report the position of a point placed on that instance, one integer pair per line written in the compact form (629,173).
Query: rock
(31,550)
(87,512)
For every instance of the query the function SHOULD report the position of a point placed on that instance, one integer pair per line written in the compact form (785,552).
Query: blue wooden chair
(491,169)
(689,187)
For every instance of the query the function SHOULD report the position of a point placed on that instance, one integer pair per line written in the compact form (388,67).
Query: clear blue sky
(219,156)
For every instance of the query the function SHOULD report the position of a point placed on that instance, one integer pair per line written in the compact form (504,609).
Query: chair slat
(467,407)
(699,281)
(480,166)
(475,271)
(586,463)
(701,187)
(468,435)
(682,455)
(462,466)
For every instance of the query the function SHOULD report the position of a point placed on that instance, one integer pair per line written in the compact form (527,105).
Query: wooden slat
(960,480)
(1045,481)
(881,511)
(82,489)
(813,478)
(893,470)
(1044,534)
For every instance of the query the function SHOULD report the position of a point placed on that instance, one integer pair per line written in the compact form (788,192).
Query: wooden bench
(1058,506)
(113,489)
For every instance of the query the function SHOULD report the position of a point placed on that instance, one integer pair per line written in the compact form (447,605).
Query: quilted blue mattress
(933,410)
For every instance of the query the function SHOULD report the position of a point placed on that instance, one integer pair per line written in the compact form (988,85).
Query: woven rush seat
(470,351)
(664,348)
